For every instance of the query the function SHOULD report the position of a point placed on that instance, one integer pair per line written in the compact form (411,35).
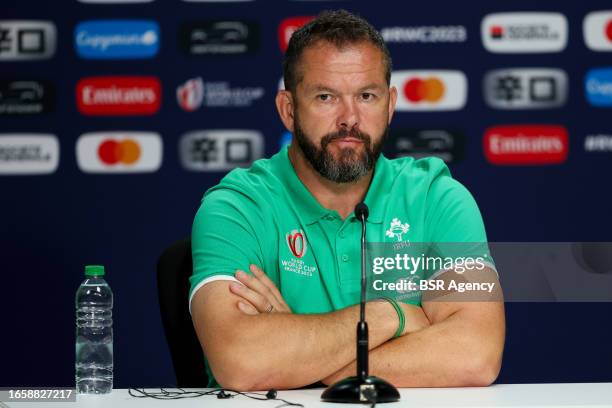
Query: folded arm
(462,347)
(279,350)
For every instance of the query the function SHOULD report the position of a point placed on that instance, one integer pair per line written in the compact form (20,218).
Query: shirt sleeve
(455,226)
(223,238)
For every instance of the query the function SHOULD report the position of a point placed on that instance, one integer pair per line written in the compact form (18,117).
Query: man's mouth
(348,141)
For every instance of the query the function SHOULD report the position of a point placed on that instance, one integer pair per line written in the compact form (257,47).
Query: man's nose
(348,116)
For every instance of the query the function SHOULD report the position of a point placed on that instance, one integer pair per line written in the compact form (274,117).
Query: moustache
(342,134)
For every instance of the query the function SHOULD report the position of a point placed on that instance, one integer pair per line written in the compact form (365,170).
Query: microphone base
(351,391)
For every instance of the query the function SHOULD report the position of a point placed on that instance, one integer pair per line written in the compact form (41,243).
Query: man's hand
(258,293)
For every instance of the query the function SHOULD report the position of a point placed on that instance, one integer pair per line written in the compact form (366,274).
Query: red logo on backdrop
(424,89)
(126,151)
(609,30)
(118,95)
(497,32)
(296,240)
(288,26)
(526,145)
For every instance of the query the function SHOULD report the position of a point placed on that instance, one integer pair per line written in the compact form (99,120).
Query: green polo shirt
(264,215)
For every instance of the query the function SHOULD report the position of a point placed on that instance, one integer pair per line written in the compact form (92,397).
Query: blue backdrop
(55,224)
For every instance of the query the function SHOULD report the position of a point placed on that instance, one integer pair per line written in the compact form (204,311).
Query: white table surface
(502,395)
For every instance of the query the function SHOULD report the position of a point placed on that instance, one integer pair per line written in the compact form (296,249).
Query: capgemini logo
(117,39)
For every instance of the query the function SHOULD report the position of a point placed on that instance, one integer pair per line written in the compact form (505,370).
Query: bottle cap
(94,270)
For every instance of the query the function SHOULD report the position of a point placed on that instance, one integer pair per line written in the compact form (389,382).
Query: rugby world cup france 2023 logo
(296,241)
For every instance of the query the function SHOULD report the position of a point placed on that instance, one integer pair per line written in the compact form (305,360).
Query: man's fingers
(254,283)
(261,275)
(247,308)
(254,298)
(260,291)
(281,305)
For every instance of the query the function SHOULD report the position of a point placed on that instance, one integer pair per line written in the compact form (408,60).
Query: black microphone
(362,387)
(362,212)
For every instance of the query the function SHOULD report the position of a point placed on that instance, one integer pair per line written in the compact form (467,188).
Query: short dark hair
(338,27)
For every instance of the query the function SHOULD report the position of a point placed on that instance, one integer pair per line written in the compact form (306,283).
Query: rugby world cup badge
(296,241)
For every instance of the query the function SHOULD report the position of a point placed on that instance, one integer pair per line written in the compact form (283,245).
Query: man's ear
(285,107)
(392,101)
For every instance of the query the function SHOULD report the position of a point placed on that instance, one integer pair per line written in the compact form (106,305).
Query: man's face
(342,109)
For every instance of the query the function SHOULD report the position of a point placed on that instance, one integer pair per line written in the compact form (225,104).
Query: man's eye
(367,96)
(324,97)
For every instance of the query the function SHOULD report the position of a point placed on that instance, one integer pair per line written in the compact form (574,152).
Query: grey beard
(347,168)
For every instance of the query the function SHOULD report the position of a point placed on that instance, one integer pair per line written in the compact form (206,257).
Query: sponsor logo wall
(420,91)
(116,116)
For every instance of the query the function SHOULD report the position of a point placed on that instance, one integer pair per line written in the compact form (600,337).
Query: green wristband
(400,316)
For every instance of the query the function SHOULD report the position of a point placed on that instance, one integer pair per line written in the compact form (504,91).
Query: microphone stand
(361,388)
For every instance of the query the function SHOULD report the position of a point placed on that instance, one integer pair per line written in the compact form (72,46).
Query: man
(275,289)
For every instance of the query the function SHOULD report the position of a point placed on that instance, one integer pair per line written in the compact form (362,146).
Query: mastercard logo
(424,90)
(125,152)
(430,90)
(120,152)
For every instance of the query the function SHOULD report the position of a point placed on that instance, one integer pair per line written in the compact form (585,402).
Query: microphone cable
(221,393)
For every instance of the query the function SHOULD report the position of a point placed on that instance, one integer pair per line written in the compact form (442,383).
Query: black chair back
(174,268)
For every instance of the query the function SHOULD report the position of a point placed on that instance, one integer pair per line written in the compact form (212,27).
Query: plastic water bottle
(94,333)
